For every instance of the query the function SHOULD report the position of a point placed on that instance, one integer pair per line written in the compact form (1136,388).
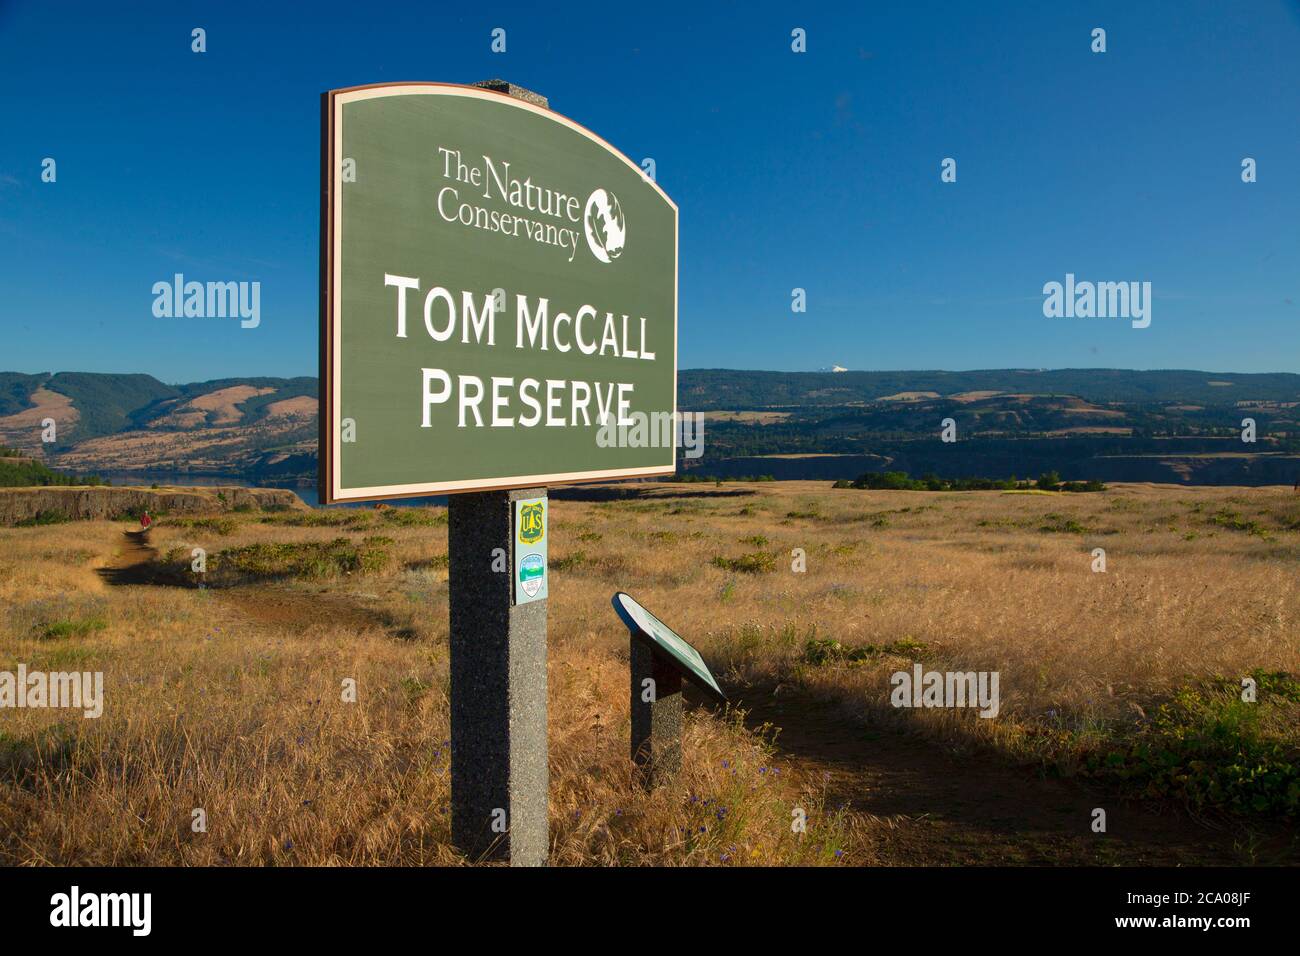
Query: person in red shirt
(145,521)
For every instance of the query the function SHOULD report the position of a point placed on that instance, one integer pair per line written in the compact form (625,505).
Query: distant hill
(254,428)
(712,389)
(1107,424)
(1110,424)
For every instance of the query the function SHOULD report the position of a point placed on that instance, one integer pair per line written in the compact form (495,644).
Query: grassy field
(1119,690)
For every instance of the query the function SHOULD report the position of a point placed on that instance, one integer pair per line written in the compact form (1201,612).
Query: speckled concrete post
(499,757)
(498,689)
(656,724)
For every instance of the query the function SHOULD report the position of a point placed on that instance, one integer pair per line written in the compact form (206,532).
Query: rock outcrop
(98,502)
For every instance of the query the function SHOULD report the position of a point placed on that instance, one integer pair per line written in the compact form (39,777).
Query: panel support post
(499,771)
(656,716)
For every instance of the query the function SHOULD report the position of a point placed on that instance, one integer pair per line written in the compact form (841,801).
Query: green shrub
(44,517)
(899,481)
(1210,749)
(574,559)
(218,526)
(758,562)
(1080,486)
(1049,481)
(1061,525)
(72,627)
(302,559)
(820,651)
(1226,518)
(414,517)
(320,518)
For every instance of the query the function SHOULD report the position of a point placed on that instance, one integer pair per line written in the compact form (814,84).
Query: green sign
(499,298)
(530,550)
(666,643)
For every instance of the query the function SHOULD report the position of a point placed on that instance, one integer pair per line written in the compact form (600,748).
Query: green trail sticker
(530,550)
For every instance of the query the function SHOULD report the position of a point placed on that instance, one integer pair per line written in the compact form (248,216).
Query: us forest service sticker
(530,550)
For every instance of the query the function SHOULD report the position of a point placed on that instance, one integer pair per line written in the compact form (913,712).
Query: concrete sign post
(656,715)
(499,771)
(498,314)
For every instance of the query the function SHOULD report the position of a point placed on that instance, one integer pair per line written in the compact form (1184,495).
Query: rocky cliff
(27,504)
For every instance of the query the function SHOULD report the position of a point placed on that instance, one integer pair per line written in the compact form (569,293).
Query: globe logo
(605,226)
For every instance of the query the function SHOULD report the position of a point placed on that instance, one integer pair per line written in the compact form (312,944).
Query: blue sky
(818,170)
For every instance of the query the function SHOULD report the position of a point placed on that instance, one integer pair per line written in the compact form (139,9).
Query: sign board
(666,642)
(530,550)
(498,301)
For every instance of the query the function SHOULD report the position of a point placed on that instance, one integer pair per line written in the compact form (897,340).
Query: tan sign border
(329,488)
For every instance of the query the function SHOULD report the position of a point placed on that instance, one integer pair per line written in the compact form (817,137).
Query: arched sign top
(499,298)
(416,87)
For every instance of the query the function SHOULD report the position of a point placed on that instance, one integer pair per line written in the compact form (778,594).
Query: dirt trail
(276,606)
(300,610)
(925,806)
(131,563)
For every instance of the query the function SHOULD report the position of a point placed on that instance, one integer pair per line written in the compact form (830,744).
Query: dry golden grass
(228,699)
